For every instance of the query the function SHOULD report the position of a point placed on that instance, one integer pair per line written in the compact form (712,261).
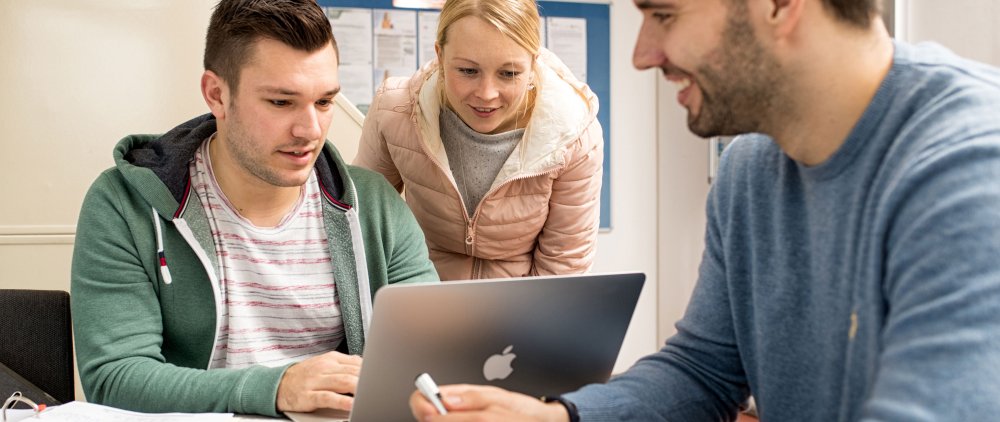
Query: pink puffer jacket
(541,214)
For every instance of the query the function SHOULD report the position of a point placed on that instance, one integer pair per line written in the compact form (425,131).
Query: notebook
(535,335)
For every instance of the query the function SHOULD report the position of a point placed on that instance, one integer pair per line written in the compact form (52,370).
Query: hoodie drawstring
(361,266)
(162,257)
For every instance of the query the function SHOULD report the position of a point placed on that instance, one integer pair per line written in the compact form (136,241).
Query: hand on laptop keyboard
(325,381)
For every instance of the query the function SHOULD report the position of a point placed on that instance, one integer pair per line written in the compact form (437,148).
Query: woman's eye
(509,74)
(467,71)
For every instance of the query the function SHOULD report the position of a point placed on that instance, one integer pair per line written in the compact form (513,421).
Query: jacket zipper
(470,228)
(470,233)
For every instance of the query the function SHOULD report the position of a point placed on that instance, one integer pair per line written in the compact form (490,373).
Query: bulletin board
(378,40)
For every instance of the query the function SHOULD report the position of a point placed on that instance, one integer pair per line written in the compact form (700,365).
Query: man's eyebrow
(277,90)
(654,4)
(291,93)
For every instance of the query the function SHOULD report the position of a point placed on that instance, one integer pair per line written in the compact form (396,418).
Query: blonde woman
(496,145)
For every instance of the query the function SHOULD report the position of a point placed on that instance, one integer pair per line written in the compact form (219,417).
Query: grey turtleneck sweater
(475,158)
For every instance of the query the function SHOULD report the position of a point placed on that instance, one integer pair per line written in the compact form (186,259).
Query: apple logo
(498,367)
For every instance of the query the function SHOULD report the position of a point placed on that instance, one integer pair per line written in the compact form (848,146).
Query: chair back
(36,341)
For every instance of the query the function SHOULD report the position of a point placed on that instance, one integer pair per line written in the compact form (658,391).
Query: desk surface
(256,418)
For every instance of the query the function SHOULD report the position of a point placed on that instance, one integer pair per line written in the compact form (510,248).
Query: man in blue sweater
(851,264)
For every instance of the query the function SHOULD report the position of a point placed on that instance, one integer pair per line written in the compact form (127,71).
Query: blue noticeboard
(598,64)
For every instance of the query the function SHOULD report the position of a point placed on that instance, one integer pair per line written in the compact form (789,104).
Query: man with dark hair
(229,264)
(850,266)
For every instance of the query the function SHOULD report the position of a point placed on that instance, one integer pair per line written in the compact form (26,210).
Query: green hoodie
(145,276)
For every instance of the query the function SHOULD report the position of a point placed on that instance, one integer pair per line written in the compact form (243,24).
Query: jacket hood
(157,165)
(564,108)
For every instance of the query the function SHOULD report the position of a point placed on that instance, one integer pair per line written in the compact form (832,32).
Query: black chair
(36,345)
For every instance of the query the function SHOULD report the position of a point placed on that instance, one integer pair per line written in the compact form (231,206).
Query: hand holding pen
(481,402)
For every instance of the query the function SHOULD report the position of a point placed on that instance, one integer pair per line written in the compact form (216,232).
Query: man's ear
(216,93)
(784,16)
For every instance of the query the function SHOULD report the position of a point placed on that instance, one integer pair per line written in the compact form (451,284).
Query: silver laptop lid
(535,335)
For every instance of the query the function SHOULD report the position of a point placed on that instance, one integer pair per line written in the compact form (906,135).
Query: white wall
(970,28)
(80,75)
(683,188)
(631,244)
(77,77)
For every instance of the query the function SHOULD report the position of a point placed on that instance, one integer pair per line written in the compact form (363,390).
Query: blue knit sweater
(864,288)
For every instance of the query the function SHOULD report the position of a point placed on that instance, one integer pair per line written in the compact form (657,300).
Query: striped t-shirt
(279,300)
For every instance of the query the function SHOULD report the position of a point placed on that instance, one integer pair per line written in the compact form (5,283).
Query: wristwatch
(574,415)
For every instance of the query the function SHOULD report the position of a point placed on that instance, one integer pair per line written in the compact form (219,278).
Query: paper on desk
(77,411)
(15,415)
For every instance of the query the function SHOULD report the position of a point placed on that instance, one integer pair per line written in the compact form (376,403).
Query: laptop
(535,335)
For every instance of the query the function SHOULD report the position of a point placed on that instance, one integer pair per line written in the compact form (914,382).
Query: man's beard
(740,84)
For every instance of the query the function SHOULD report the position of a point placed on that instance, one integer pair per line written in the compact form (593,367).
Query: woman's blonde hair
(516,19)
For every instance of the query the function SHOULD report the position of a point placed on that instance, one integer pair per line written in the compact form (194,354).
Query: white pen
(430,390)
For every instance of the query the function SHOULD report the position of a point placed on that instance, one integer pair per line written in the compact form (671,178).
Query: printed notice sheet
(395,43)
(428,24)
(567,38)
(353,30)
